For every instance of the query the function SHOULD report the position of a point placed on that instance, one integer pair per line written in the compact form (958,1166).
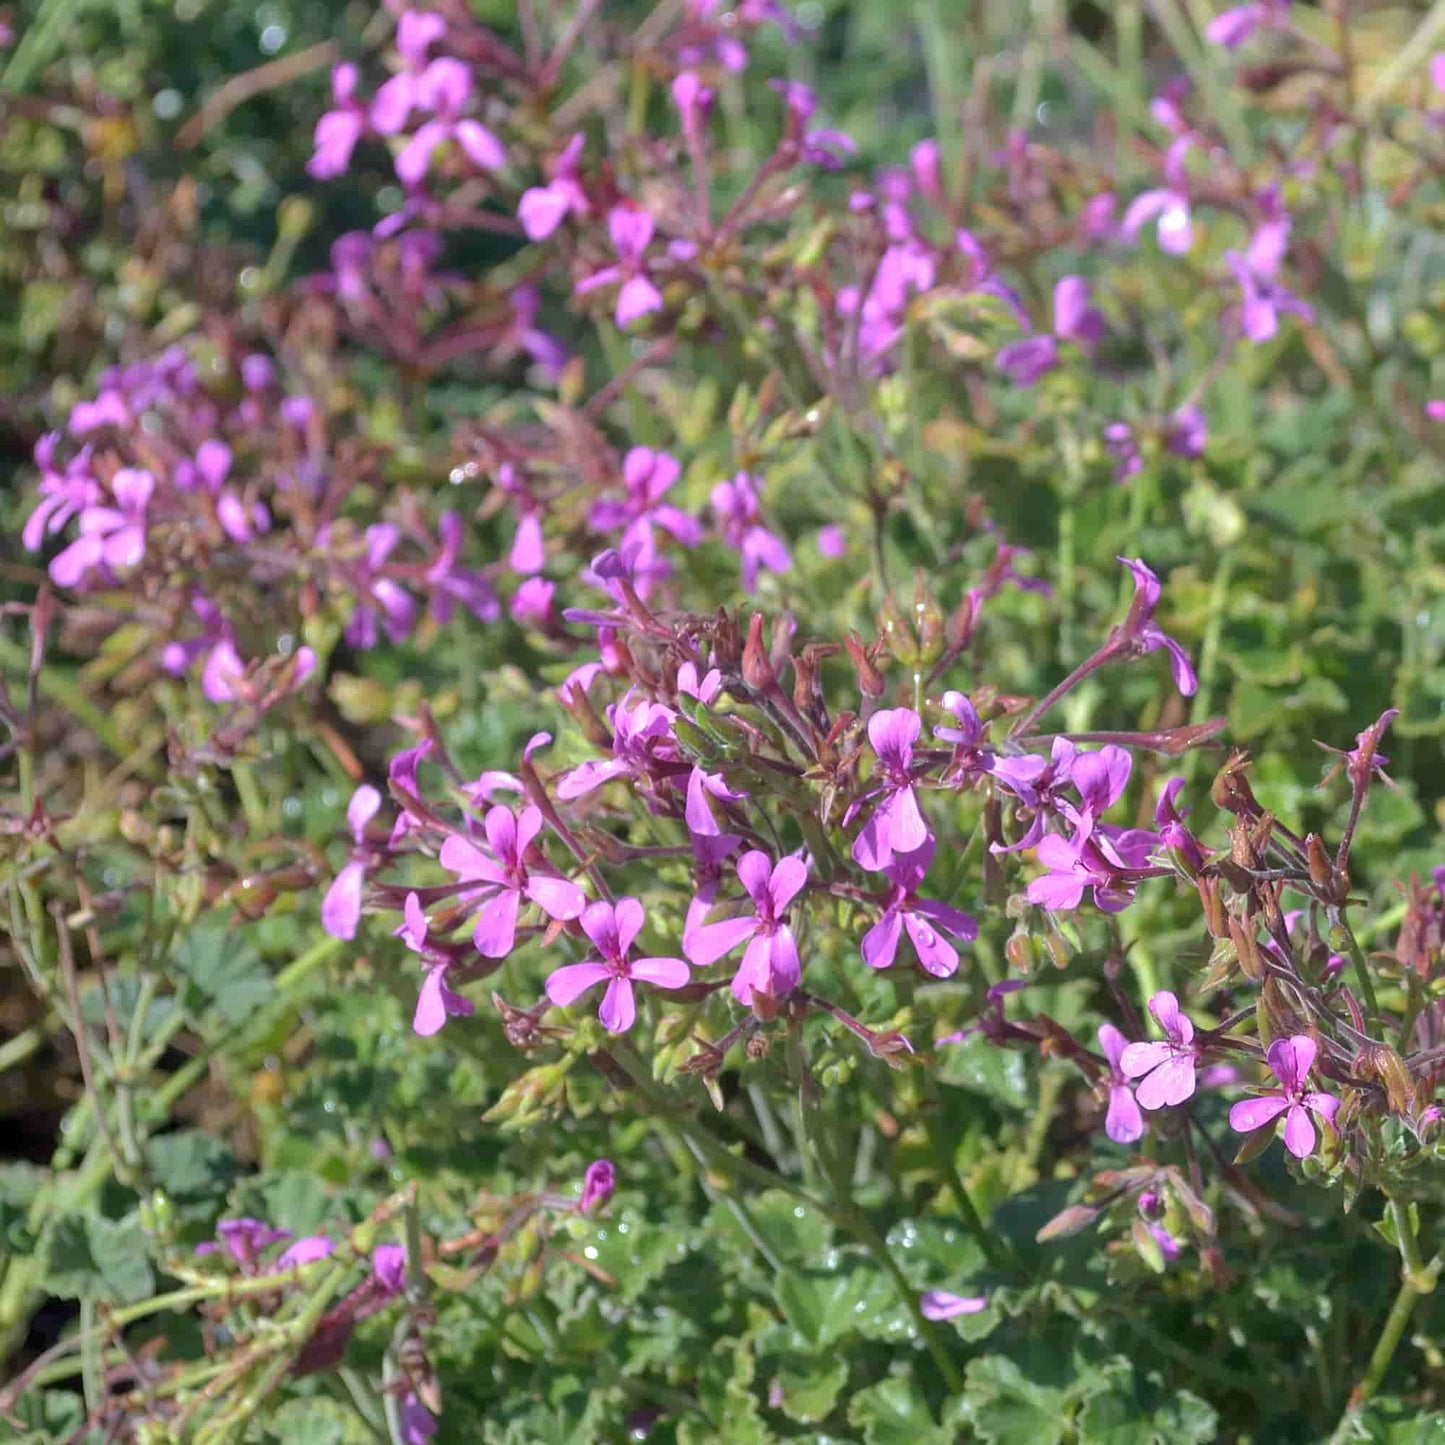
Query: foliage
(605,529)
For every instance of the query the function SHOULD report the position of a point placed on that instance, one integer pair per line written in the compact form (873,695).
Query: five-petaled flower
(341,908)
(1166,1067)
(437,1000)
(499,880)
(770,964)
(612,930)
(1291,1060)
(1140,633)
(630,229)
(1124,1124)
(922,918)
(897,824)
(738,513)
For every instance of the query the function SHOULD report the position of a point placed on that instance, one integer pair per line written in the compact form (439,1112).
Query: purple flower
(418,1424)
(444,88)
(641,739)
(437,1001)
(1038,783)
(770,964)
(1435,410)
(1172,832)
(738,509)
(1187,432)
(244,1239)
(648,475)
(499,880)
(1291,1060)
(1124,1124)
(63,495)
(1168,206)
(597,1185)
(341,908)
(1264,298)
(1110,867)
(938,1304)
(972,757)
(416,32)
(543,208)
(921,917)
(1166,1067)
(630,228)
(1231,28)
(1024,362)
(110,537)
(338,130)
(832,542)
(1074,318)
(1140,632)
(388,1268)
(303,1252)
(1121,444)
(897,824)
(612,930)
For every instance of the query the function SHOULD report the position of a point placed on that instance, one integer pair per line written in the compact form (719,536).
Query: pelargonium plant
(632,692)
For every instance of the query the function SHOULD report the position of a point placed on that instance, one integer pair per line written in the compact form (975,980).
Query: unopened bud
(757,669)
(870,680)
(928,621)
(1246,948)
(1216,919)
(1321,870)
(898,636)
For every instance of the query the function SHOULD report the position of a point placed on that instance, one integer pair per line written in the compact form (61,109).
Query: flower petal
(1251,1114)
(619,1007)
(556,897)
(496,930)
(662,972)
(567,984)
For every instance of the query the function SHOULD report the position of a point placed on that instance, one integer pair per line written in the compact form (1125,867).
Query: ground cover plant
(723,723)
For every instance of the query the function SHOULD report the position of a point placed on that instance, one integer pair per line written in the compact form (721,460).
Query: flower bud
(597,1186)
(757,668)
(870,680)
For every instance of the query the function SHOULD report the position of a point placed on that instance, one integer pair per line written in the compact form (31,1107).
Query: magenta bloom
(612,930)
(437,1001)
(1168,206)
(341,908)
(543,208)
(1124,1124)
(1110,867)
(338,130)
(110,537)
(922,918)
(1231,28)
(62,495)
(938,1304)
(770,963)
(649,476)
(1024,362)
(444,88)
(641,737)
(1146,635)
(244,1239)
(1264,299)
(597,1186)
(1435,410)
(416,32)
(499,880)
(1187,432)
(1291,1060)
(1166,1067)
(388,1268)
(630,228)
(738,511)
(897,824)
(304,1251)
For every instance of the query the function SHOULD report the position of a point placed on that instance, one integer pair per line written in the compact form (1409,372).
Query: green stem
(973,1221)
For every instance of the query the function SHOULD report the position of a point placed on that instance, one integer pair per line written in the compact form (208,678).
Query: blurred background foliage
(152,155)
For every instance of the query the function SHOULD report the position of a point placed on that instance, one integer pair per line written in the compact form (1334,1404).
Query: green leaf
(982,1068)
(191,1165)
(894,1412)
(1004,1406)
(806,1388)
(94,1258)
(226,973)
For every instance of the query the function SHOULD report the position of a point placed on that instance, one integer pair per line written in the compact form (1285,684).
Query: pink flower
(1231,28)
(897,824)
(1291,1060)
(1143,634)
(1167,1067)
(499,880)
(341,908)
(597,1186)
(630,228)
(416,32)
(1168,206)
(648,475)
(110,537)
(922,918)
(338,130)
(444,88)
(63,495)
(437,1001)
(641,740)
(738,511)
(543,208)
(612,930)
(770,963)
(1124,1124)
(938,1304)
